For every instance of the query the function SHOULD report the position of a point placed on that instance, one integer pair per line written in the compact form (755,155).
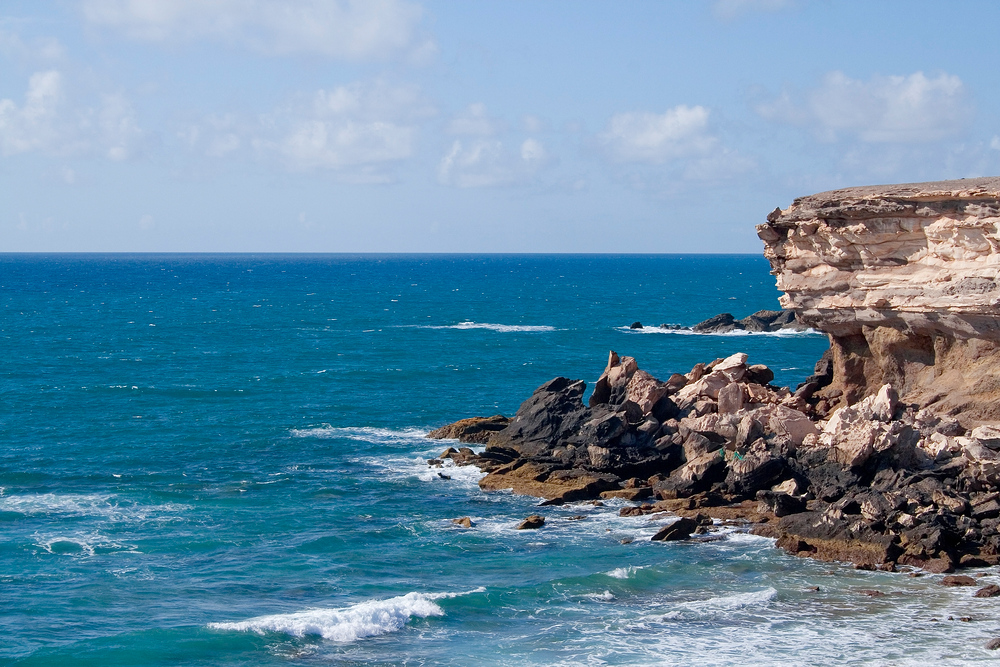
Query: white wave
(377,436)
(82,505)
(713,606)
(348,624)
(606,596)
(500,328)
(79,543)
(781,333)
(416,466)
(623,572)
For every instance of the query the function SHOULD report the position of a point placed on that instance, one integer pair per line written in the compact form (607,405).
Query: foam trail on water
(377,436)
(365,619)
(499,328)
(713,606)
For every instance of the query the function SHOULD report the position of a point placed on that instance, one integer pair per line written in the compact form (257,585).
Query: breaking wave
(347,624)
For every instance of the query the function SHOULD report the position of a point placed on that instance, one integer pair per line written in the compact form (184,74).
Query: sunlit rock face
(904,279)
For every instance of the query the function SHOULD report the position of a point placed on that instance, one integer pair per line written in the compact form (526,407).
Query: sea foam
(348,624)
(724,603)
(499,328)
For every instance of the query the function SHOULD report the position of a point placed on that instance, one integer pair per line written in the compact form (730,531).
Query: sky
(486,126)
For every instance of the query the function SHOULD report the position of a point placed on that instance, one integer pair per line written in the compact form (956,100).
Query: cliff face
(904,280)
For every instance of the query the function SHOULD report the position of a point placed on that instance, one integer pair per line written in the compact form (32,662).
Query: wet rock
(958,580)
(474,429)
(871,593)
(781,504)
(464,522)
(990,591)
(635,325)
(993,644)
(678,530)
(533,522)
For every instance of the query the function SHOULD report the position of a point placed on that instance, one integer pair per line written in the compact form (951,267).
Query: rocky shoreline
(887,456)
(878,484)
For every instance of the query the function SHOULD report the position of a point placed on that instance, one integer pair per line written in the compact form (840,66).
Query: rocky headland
(887,455)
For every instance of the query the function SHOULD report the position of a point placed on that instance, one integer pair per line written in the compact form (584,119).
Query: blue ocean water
(219,460)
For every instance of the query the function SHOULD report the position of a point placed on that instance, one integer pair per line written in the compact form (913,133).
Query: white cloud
(41,48)
(481,163)
(728,10)
(656,138)
(884,109)
(359,130)
(33,125)
(351,29)
(474,121)
(46,122)
(995,143)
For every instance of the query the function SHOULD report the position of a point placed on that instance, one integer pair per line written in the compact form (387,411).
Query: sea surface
(220,460)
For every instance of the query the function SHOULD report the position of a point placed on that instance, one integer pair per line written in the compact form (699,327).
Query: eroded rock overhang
(904,279)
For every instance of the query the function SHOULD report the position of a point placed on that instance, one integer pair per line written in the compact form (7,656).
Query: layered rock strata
(904,280)
(878,483)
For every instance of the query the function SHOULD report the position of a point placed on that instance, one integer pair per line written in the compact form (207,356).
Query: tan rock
(904,279)
(464,522)
(644,390)
(732,398)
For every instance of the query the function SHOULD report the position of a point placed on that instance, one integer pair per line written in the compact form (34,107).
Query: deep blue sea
(219,460)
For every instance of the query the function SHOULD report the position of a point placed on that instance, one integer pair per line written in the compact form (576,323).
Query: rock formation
(884,456)
(904,280)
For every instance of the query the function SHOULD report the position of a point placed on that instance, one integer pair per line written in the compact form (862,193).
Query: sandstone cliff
(904,280)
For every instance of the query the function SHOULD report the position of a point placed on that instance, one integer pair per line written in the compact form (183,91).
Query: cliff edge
(903,278)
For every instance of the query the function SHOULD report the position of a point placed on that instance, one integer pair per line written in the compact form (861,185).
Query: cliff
(904,280)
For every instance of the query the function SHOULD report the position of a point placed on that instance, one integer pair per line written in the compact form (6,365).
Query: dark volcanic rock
(678,530)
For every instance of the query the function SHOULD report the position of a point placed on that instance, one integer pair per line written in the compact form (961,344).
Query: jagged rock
(678,530)
(635,325)
(474,429)
(464,522)
(645,391)
(993,644)
(533,522)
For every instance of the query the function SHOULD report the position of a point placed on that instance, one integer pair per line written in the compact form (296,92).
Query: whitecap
(716,605)
(377,436)
(781,333)
(347,624)
(623,572)
(499,328)
(82,505)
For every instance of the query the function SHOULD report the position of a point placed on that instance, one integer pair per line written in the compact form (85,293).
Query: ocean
(220,460)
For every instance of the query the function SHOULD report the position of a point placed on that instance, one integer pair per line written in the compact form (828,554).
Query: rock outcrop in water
(904,279)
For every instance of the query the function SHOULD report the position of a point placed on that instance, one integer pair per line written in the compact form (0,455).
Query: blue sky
(487,126)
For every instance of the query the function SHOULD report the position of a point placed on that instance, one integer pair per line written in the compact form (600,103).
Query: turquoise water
(219,460)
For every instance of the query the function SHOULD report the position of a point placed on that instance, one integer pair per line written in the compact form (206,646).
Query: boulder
(474,429)
(990,591)
(464,522)
(678,530)
(533,522)
(958,580)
